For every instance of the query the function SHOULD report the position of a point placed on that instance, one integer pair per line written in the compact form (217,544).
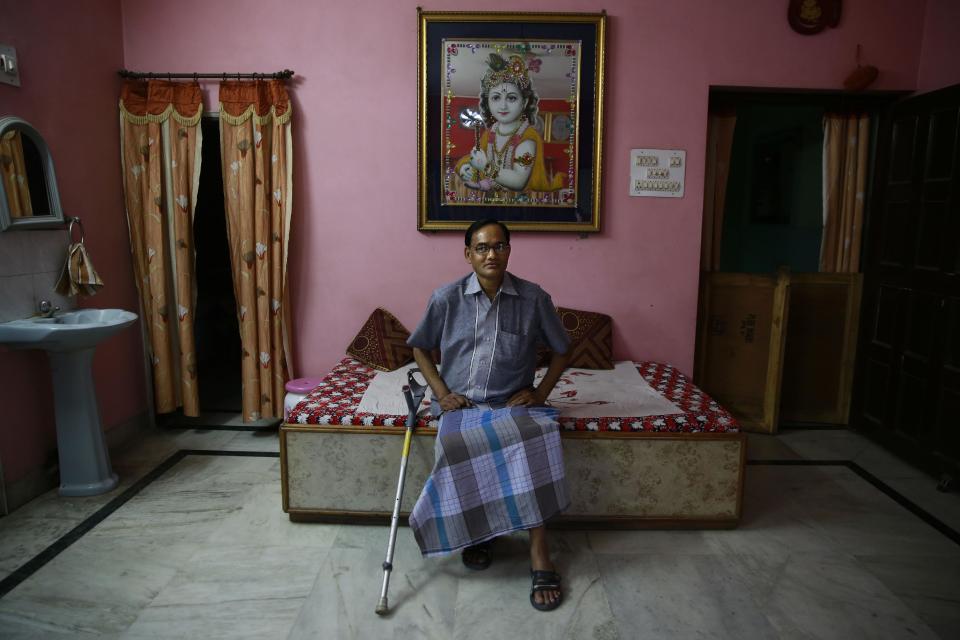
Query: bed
(682,469)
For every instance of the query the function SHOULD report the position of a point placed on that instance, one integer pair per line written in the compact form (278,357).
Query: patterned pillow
(591,339)
(381,342)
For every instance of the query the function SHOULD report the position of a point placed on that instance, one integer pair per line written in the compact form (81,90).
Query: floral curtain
(160,155)
(846,141)
(720,128)
(14,174)
(257,163)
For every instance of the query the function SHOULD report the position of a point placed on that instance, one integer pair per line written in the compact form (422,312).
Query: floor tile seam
(212,604)
(61,544)
(578,610)
(906,502)
(205,543)
(149,603)
(877,483)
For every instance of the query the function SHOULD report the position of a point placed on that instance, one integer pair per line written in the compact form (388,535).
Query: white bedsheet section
(620,392)
(385,393)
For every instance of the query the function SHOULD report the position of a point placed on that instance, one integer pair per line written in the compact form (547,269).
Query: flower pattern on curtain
(160,156)
(846,141)
(256,154)
(14,173)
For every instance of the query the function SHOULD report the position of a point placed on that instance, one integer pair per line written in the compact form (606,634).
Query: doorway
(776,337)
(217,333)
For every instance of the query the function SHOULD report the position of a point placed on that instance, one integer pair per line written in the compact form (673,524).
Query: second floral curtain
(256,154)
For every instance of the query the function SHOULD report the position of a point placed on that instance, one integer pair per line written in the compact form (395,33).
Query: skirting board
(616,479)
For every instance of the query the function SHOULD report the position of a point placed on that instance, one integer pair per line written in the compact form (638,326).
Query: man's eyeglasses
(484,249)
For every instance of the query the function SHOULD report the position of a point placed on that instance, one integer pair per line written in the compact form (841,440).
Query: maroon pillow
(381,342)
(591,339)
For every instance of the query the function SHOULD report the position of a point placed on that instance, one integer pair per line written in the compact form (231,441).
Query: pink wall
(356,245)
(69,53)
(940,54)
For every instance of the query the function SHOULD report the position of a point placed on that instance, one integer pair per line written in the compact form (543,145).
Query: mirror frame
(55,219)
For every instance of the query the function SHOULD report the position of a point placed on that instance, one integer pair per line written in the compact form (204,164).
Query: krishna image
(508,163)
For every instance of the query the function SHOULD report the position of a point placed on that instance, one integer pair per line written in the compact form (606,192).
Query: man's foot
(477,557)
(545,594)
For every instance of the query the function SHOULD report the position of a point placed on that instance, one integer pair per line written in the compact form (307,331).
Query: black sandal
(477,557)
(545,581)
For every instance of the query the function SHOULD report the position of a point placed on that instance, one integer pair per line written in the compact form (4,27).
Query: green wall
(795,133)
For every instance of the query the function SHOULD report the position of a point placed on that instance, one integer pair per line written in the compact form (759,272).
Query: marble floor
(839,539)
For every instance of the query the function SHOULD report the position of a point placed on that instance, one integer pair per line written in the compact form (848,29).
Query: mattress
(336,400)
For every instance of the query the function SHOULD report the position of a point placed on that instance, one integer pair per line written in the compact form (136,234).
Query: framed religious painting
(510,120)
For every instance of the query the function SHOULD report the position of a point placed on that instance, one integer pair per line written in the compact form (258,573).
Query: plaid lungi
(496,471)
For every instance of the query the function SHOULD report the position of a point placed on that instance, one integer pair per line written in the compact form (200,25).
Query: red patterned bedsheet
(335,402)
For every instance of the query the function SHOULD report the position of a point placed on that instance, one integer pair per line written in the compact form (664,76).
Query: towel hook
(75,220)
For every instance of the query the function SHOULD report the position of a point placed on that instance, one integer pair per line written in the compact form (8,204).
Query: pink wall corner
(940,55)
(69,53)
(355,244)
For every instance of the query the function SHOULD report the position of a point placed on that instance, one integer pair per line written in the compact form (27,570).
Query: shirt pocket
(512,349)
(518,318)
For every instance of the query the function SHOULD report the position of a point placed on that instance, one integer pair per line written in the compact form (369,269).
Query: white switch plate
(657,173)
(9,66)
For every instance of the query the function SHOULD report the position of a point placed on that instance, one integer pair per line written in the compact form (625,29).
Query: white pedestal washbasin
(69,340)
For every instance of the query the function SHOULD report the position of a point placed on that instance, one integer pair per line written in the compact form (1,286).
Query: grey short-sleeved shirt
(488,348)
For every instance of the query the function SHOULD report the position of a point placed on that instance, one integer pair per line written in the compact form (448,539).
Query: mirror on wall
(28,185)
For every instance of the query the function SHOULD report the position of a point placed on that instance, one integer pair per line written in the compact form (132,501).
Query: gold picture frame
(510,119)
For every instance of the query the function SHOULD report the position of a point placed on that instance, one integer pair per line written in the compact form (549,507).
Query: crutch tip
(382,608)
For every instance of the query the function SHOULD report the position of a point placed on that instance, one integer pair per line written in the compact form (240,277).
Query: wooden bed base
(617,479)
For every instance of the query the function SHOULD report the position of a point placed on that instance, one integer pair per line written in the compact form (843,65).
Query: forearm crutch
(413,392)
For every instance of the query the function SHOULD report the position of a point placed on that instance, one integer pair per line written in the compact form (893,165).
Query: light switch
(657,173)
(9,67)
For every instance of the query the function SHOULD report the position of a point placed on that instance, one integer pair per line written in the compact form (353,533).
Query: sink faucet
(47,310)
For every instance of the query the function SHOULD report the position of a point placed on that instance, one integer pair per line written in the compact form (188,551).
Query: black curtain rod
(286,74)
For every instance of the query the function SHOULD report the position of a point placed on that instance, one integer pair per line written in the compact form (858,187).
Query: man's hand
(453,401)
(527,398)
(448,400)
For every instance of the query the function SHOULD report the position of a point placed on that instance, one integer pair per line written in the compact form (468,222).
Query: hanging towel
(78,276)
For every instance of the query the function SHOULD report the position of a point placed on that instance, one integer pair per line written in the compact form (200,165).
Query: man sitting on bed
(499,463)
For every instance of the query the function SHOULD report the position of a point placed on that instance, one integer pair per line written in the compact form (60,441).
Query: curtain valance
(265,99)
(143,101)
